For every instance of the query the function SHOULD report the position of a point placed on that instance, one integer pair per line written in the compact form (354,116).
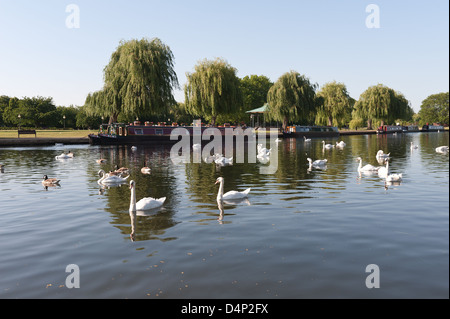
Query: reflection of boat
(311,131)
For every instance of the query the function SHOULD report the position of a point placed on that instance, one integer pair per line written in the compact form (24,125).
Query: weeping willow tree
(382,103)
(212,89)
(138,81)
(291,98)
(334,104)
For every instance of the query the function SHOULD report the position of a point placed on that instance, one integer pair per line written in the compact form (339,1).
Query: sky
(58,49)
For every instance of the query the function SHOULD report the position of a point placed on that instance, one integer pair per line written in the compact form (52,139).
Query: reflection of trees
(160,183)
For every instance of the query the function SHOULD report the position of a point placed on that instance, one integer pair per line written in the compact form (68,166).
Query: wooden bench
(26,132)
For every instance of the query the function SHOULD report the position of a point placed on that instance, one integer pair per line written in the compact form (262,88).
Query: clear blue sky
(325,40)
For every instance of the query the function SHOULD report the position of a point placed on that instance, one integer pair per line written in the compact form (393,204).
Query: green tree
(435,109)
(382,103)
(139,81)
(212,89)
(291,98)
(334,104)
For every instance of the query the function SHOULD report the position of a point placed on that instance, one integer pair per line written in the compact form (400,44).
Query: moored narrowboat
(389,129)
(311,131)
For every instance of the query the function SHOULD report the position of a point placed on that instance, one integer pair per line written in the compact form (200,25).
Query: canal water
(319,233)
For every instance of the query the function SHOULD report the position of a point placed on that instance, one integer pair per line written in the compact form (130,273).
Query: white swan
(366,168)
(133,148)
(327,146)
(381,154)
(383,171)
(414,147)
(394,177)
(222,160)
(306,139)
(340,144)
(145,203)
(108,179)
(442,149)
(262,151)
(230,194)
(317,163)
(64,156)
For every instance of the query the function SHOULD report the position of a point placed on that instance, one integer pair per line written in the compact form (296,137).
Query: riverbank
(34,141)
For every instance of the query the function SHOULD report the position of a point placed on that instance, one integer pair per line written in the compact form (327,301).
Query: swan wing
(149,203)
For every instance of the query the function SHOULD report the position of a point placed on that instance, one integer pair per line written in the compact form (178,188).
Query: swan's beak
(216,182)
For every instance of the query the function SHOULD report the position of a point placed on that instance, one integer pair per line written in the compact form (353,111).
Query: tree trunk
(113,118)
(369,124)
(285,122)
(213,121)
(330,121)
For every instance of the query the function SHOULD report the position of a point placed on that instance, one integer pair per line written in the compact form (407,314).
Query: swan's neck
(133,200)
(220,193)
(360,164)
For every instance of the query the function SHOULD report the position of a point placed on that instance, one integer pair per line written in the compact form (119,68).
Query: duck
(317,162)
(145,203)
(442,149)
(340,144)
(366,168)
(327,146)
(230,194)
(101,161)
(121,171)
(50,181)
(145,169)
(414,147)
(107,179)
(306,139)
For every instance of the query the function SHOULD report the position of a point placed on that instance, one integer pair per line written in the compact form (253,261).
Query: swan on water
(383,171)
(50,181)
(442,149)
(414,147)
(107,179)
(64,155)
(317,162)
(145,169)
(394,177)
(340,144)
(327,146)
(222,160)
(366,168)
(381,154)
(306,139)
(121,171)
(145,203)
(230,194)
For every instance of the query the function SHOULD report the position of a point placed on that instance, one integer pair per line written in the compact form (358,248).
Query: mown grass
(49,133)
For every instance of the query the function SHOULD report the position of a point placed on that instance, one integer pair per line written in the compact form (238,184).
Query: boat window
(159,132)
(138,131)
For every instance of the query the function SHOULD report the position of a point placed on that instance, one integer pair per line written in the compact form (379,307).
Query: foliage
(139,80)
(382,103)
(435,109)
(213,89)
(334,105)
(291,98)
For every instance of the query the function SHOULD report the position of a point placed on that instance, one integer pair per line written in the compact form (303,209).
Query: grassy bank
(49,133)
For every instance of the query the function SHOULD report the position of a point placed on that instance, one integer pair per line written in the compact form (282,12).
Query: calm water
(301,234)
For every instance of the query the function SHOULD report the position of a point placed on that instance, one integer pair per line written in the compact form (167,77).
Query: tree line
(139,81)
